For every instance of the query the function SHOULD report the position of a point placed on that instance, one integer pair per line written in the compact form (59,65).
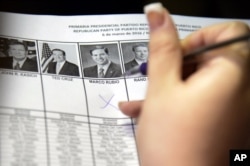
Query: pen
(190,56)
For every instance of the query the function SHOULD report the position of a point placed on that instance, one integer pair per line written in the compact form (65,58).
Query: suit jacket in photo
(67,69)
(131,64)
(28,65)
(114,70)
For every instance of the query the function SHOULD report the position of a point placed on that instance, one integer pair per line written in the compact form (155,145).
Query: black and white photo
(101,61)
(134,54)
(18,55)
(54,59)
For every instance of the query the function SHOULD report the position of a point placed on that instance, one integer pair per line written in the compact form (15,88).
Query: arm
(196,121)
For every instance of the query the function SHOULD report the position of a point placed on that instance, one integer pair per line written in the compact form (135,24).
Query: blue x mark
(107,102)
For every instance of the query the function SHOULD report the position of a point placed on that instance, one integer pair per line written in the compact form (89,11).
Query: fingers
(223,68)
(164,47)
(131,108)
(213,34)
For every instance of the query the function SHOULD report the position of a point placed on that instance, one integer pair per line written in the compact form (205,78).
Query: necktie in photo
(17,66)
(58,68)
(101,73)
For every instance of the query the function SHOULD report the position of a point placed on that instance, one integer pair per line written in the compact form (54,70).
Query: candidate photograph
(134,54)
(18,55)
(59,59)
(101,61)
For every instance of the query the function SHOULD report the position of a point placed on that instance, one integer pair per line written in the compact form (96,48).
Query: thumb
(164,46)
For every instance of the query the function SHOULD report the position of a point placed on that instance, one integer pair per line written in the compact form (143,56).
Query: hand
(195,121)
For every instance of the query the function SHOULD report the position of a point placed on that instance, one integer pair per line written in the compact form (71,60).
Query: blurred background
(203,8)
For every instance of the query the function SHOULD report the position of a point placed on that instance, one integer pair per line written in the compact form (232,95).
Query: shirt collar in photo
(20,62)
(139,61)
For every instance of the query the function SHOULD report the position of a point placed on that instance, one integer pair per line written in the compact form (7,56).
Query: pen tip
(132,71)
(143,68)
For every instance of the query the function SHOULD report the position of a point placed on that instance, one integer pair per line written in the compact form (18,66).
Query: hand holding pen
(193,56)
(197,120)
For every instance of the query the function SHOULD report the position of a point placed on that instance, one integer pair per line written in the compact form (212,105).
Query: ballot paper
(60,106)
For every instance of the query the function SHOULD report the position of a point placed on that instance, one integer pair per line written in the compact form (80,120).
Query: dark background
(203,8)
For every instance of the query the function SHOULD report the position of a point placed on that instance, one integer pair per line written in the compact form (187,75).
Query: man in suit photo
(60,65)
(104,67)
(140,56)
(17,58)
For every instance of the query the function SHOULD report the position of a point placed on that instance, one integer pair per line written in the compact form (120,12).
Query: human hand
(195,121)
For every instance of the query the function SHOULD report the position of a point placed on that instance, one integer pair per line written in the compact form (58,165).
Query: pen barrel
(143,68)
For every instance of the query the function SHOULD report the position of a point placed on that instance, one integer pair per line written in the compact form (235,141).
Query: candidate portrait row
(96,60)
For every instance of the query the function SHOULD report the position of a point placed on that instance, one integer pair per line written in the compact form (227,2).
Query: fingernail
(154,12)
